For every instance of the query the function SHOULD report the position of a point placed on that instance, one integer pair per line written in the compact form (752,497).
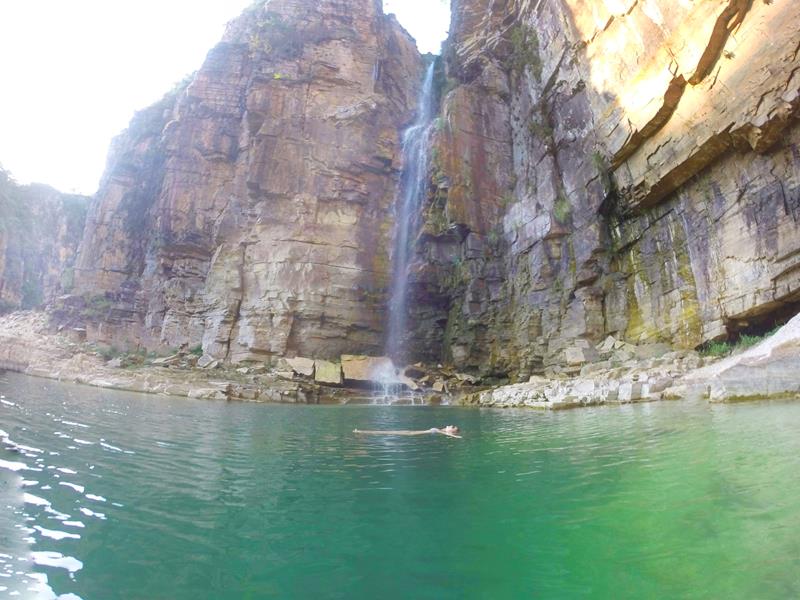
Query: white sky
(73,72)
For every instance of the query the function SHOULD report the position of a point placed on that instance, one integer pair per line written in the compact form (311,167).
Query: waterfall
(411,194)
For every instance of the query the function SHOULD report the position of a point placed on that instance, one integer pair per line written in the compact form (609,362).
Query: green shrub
(67,279)
(716,349)
(540,130)
(724,348)
(276,36)
(32,293)
(562,210)
(108,352)
(524,52)
(507,200)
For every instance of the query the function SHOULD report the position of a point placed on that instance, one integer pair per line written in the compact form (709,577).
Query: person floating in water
(448,430)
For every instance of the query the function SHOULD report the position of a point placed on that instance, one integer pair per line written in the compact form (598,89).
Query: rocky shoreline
(613,372)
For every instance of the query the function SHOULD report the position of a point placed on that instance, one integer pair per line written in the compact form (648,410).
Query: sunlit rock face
(628,168)
(250,211)
(40,229)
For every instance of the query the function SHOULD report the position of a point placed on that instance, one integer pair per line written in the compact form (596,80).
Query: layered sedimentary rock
(628,168)
(40,229)
(250,211)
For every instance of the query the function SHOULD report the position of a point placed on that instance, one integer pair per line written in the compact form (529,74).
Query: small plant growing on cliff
(562,210)
(457,274)
(108,352)
(494,238)
(180,85)
(540,130)
(466,177)
(507,200)
(437,221)
(97,307)
(32,293)
(525,52)
(275,36)
(603,169)
(450,84)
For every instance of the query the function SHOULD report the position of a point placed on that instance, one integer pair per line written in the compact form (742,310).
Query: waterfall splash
(413,187)
(412,190)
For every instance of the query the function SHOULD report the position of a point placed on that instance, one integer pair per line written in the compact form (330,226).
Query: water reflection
(176,498)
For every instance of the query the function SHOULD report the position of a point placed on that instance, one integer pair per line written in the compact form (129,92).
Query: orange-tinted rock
(648,179)
(250,211)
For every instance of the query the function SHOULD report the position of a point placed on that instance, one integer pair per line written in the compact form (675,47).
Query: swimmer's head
(451,429)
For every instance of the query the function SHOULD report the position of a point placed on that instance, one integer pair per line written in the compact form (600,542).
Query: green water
(173,498)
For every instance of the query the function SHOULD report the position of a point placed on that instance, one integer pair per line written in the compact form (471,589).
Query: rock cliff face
(628,168)
(40,230)
(250,211)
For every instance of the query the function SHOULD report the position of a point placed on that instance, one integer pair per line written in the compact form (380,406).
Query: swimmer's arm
(448,434)
(392,432)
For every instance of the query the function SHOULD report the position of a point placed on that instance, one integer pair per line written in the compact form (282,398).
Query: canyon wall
(40,229)
(250,211)
(628,168)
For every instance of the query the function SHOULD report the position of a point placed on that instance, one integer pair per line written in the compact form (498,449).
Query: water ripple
(226,500)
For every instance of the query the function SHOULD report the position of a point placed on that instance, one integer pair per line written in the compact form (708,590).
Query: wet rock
(327,372)
(607,346)
(768,370)
(646,351)
(244,393)
(207,362)
(576,356)
(207,394)
(624,357)
(302,366)
(597,367)
(466,378)
(417,371)
(630,391)
(364,369)
(408,382)
(675,128)
(167,360)
(660,384)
